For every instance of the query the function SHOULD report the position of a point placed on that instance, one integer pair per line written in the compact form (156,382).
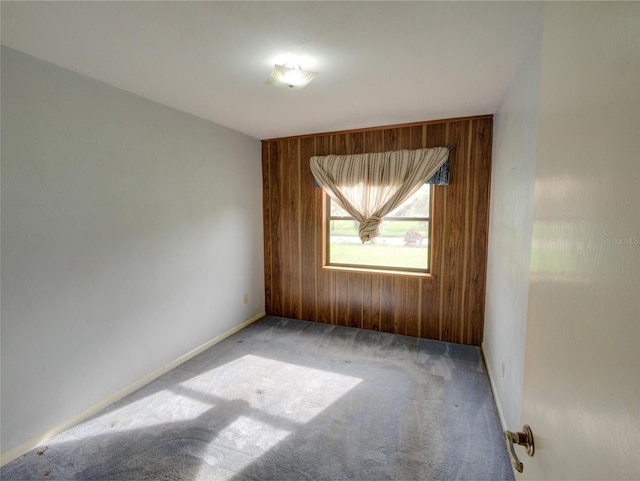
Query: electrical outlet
(245,299)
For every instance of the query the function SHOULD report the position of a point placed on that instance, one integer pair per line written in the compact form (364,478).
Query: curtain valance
(369,186)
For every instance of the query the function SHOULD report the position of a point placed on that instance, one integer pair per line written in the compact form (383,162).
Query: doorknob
(524,438)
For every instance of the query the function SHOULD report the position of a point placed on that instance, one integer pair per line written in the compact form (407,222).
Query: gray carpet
(294,400)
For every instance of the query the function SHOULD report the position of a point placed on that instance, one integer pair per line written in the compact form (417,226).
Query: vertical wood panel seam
(379,303)
(317,261)
(271,226)
(419,318)
(300,249)
(266,198)
(284,232)
(473,237)
(469,212)
(486,157)
(361,317)
(420,293)
(332,275)
(270,157)
(443,243)
(474,240)
(280,228)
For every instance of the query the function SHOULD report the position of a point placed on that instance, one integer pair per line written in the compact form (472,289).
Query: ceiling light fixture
(290,76)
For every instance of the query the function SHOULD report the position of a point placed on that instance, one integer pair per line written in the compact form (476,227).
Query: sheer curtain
(369,186)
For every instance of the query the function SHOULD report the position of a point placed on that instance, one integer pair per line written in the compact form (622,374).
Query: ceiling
(380,62)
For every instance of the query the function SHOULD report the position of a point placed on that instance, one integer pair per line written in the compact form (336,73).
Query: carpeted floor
(294,400)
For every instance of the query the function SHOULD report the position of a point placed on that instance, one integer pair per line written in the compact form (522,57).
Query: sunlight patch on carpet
(267,385)
(278,395)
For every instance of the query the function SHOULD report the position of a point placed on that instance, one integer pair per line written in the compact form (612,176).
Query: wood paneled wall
(448,306)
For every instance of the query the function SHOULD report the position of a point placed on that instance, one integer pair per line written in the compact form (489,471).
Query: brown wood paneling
(412,303)
(429,310)
(310,223)
(275,227)
(400,307)
(391,139)
(324,297)
(387,304)
(449,305)
(284,230)
(367,307)
(481,160)
(453,265)
(354,300)
(293,225)
(376,303)
(341,298)
(266,215)
(355,143)
(374,141)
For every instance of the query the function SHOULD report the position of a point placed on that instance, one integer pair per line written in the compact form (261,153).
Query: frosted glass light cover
(290,76)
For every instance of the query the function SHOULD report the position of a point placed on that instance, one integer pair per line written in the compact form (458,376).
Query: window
(402,246)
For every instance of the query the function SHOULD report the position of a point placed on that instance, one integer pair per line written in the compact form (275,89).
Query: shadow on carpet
(294,400)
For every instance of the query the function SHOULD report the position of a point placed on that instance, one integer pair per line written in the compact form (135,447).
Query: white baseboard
(493,389)
(496,399)
(45,436)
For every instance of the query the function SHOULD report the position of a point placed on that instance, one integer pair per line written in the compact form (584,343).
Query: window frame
(411,271)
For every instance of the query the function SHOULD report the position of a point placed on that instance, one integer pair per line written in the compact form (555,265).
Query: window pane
(415,206)
(337,211)
(402,244)
(344,228)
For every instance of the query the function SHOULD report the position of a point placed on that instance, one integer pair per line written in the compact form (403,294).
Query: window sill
(385,272)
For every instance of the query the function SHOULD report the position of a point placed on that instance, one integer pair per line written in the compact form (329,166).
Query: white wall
(130,233)
(510,230)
